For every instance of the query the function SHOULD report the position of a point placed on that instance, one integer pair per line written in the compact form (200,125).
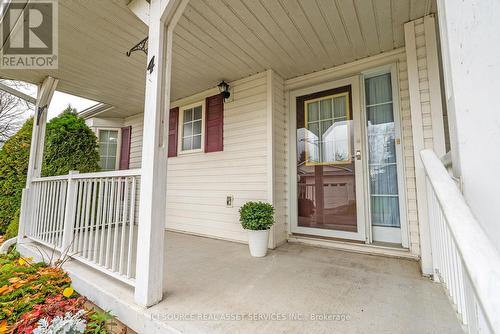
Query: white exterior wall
(280,149)
(137,123)
(426,114)
(471,53)
(409,158)
(197,184)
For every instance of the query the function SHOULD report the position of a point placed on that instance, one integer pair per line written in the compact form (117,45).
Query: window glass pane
(340,135)
(186,143)
(314,128)
(103,136)
(197,113)
(384,202)
(108,148)
(312,112)
(385,211)
(378,89)
(381,134)
(328,137)
(384,180)
(197,127)
(110,163)
(187,130)
(113,137)
(380,114)
(325,126)
(312,148)
(326,109)
(192,129)
(103,149)
(188,115)
(339,106)
(196,142)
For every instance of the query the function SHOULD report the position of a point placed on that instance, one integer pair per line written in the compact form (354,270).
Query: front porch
(274,55)
(207,277)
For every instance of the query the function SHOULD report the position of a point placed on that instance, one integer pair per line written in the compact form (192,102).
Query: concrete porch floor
(206,277)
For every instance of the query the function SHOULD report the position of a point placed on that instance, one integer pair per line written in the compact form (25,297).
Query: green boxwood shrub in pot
(257,218)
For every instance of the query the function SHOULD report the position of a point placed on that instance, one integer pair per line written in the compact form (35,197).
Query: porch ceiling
(230,39)
(93,38)
(218,39)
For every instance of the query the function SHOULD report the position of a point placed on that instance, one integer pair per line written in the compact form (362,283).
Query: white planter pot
(257,242)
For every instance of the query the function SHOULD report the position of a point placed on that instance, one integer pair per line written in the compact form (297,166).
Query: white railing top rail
(480,257)
(96,175)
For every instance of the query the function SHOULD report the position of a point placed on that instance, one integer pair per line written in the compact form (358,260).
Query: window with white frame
(192,128)
(108,149)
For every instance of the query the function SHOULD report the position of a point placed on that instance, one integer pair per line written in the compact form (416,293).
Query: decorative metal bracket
(141,46)
(39,114)
(151,65)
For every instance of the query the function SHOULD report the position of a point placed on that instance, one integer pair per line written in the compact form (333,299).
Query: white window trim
(119,143)
(181,128)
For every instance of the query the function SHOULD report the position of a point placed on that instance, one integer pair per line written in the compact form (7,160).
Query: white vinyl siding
(137,123)
(197,185)
(280,147)
(424,101)
(409,161)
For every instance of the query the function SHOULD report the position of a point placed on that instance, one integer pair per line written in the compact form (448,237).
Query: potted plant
(257,218)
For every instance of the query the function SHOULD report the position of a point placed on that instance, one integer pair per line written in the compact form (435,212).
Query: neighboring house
(335,116)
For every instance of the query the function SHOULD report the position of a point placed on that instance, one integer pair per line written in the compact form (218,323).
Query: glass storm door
(329,170)
(383,160)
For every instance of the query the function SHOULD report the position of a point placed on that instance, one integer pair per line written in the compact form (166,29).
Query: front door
(329,166)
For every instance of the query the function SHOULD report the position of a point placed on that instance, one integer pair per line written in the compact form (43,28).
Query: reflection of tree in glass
(341,156)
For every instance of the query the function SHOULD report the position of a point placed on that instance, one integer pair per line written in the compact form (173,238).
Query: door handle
(358,154)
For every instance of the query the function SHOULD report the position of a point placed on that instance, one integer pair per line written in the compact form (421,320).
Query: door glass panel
(325,169)
(384,196)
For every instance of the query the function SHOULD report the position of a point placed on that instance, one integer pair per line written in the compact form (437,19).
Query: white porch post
(153,200)
(45,92)
(472,81)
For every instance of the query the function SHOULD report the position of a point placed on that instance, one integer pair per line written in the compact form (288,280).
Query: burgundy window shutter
(125,148)
(173,125)
(214,123)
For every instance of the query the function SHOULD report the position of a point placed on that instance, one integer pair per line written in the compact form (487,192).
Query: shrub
(24,284)
(13,226)
(50,309)
(257,216)
(69,145)
(14,157)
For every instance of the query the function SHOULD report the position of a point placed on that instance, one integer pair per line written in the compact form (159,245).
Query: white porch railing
(90,217)
(465,260)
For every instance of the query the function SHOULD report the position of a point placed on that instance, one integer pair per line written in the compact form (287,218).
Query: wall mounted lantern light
(224,90)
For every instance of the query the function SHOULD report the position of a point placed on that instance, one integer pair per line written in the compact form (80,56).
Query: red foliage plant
(51,308)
